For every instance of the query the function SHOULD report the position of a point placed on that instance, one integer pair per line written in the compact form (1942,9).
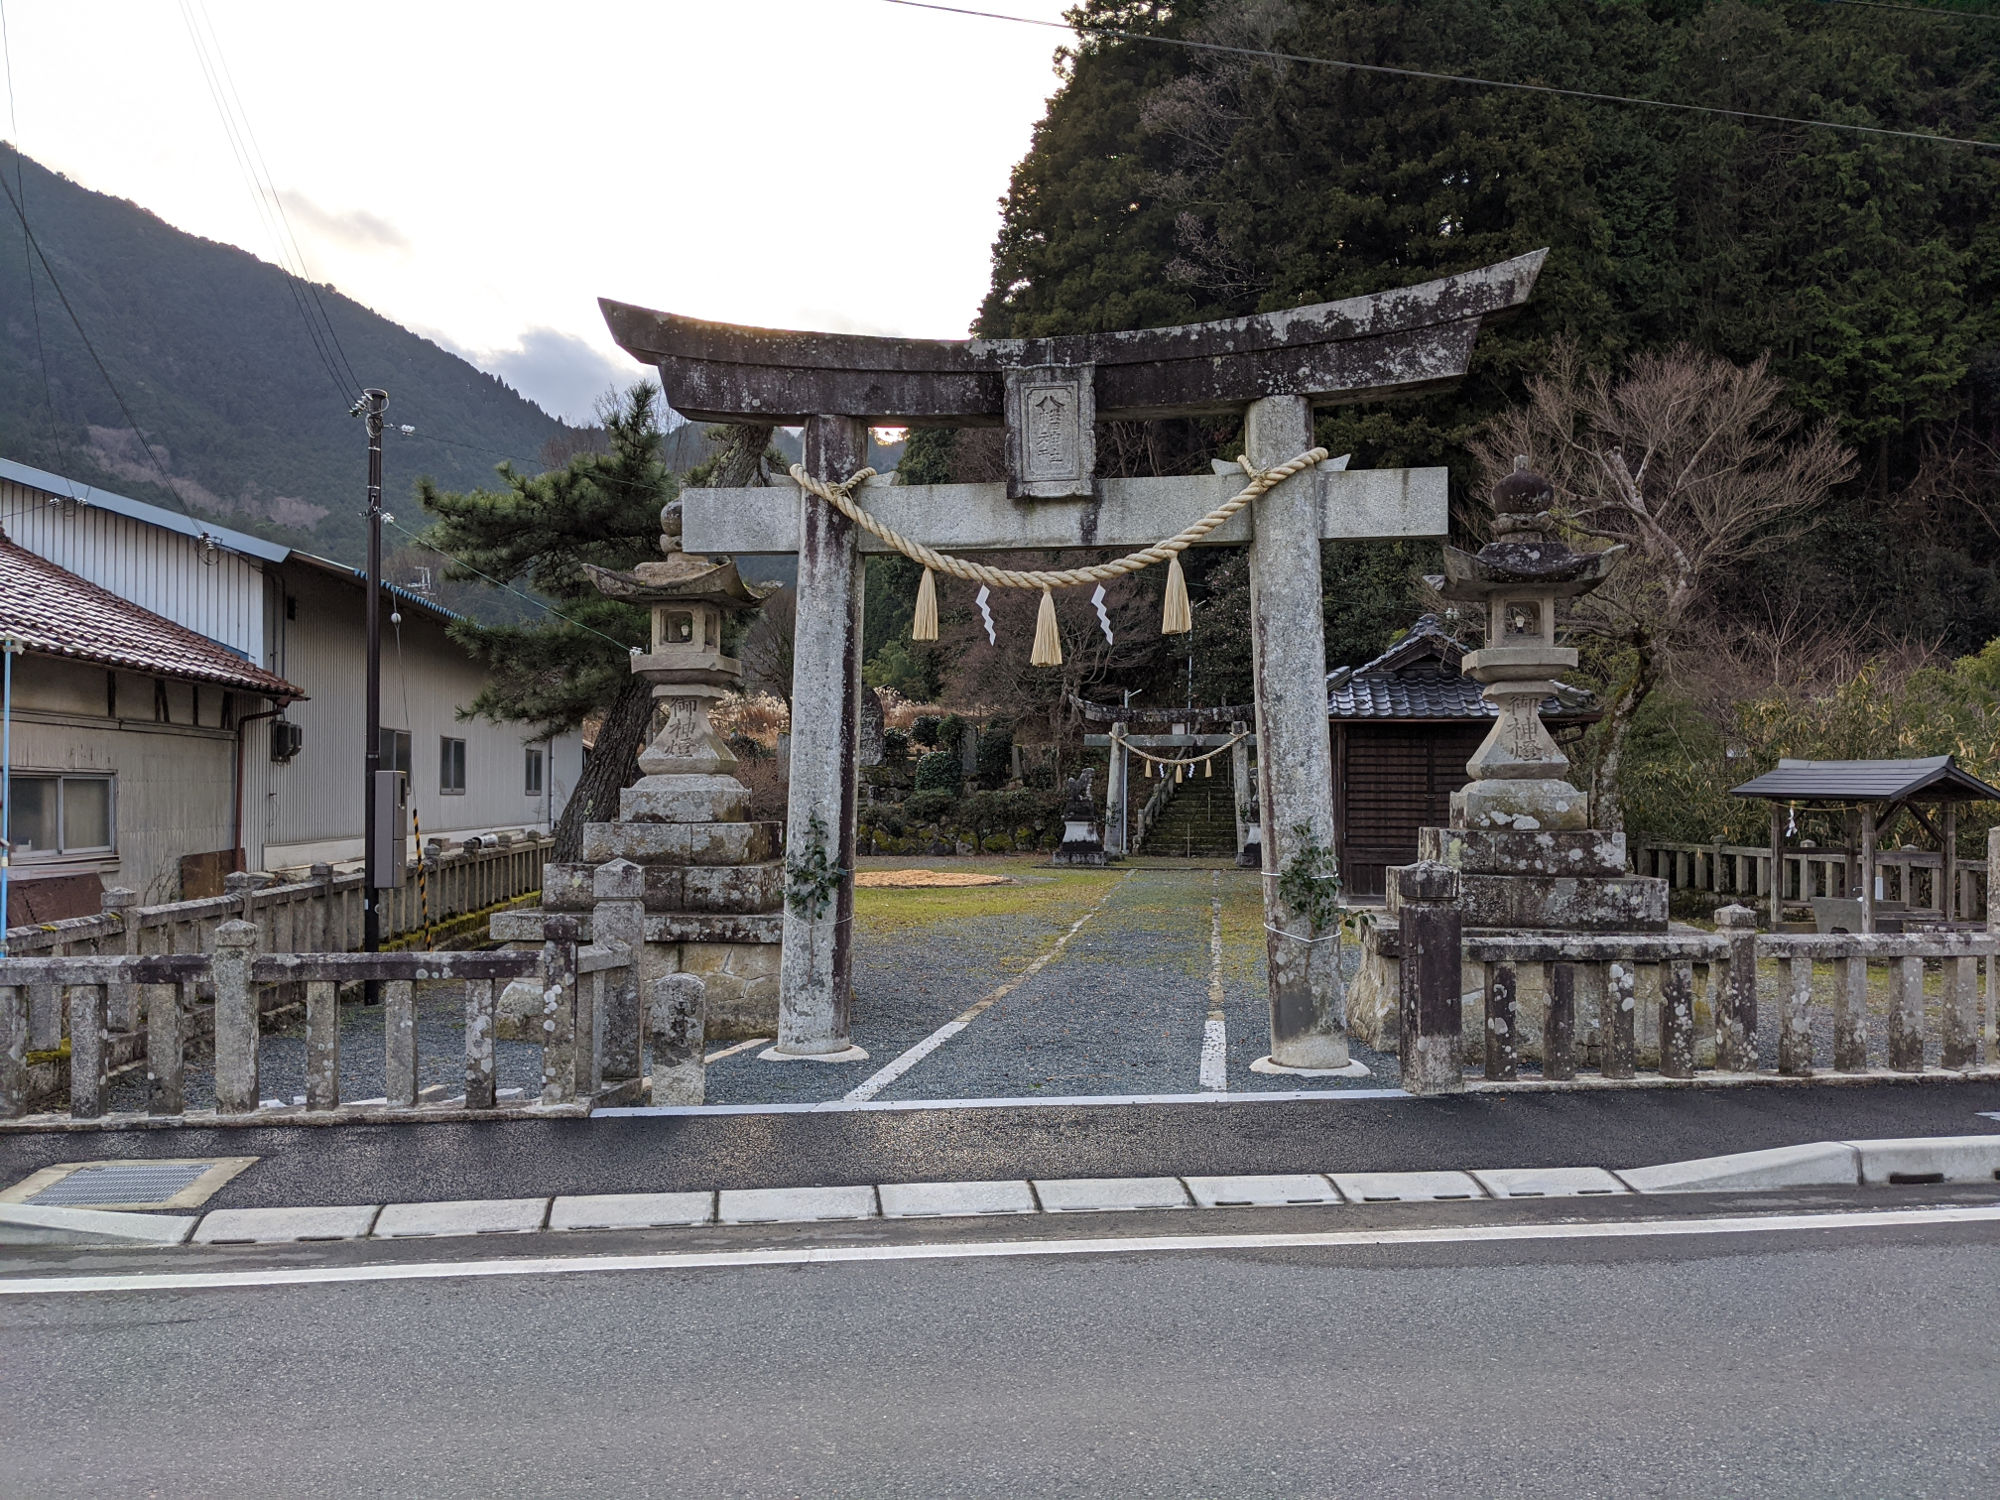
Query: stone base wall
(742,986)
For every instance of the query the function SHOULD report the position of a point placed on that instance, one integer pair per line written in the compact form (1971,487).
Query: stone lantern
(1519,774)
(713,883)
(1520,840)
(692,599)
(1082,840)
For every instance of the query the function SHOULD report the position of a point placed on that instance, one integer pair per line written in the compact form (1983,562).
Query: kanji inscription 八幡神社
(1049,393)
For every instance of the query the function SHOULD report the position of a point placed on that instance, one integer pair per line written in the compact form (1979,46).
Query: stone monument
(1519,837)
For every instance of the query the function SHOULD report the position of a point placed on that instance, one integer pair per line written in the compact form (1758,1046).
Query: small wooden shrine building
(1404,725)
(1869,798)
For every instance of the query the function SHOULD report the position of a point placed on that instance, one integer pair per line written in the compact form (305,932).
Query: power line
(1922,10)
(1085,28)
(277,198)
(91,349)
(249,160)
(540,604)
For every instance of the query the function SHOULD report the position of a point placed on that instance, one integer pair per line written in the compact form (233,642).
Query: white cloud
(564,375)
(349,229)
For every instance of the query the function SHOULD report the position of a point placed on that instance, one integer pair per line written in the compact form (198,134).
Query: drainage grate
(133,1182)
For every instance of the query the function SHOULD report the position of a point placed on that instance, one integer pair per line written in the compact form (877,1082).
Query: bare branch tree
(767,645)
(1690,461)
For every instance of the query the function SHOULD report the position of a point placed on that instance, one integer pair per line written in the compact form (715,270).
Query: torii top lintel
(1049,391)
(1354,349)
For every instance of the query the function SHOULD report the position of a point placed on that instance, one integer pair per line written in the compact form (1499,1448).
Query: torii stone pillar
(1116,790)
(816,985)
(1295,793)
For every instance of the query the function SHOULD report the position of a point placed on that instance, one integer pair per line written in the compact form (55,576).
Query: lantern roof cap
(680,578)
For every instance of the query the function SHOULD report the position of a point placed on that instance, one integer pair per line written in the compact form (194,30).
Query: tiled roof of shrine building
(1418,679)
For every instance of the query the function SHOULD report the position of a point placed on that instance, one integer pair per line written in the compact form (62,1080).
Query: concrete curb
(24,1224)
(1912,1162)
(1820,1164)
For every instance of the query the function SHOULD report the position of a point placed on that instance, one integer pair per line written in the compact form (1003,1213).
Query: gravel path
(1121,1010)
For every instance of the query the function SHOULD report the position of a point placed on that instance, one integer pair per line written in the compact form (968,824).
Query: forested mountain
(1167,185)
(209,350)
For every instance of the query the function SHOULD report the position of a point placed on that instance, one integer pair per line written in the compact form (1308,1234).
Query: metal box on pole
(387,849)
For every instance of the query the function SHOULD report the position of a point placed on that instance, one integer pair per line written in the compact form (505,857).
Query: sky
(483,172)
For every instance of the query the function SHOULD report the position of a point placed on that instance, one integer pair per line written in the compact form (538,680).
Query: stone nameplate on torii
(1271,368)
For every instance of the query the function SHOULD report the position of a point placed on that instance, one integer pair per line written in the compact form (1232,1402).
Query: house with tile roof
(1404,725)
(190,701)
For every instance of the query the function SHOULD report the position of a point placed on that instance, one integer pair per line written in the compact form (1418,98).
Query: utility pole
(370,406)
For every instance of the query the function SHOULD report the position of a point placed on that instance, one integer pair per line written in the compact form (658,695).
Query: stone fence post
(121,1000)
(620,917)
(1736,998)
(566,1069)
(679,1072)
(1432,1019)
(235,1018)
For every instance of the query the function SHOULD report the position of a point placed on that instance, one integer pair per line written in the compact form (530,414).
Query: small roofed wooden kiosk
(1872,796)
(1404,726)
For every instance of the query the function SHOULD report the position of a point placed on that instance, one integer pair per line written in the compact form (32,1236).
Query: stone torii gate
(1049,393)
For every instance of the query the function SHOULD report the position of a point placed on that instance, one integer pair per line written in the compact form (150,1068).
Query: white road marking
(1215,1032)
(1460,1234)
(755,1041)
(872,1085)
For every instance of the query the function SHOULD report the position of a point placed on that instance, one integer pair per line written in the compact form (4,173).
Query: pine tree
(573,664)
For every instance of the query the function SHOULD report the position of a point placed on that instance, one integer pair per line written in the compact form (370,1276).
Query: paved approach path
(1849,1361)
(1120,1004)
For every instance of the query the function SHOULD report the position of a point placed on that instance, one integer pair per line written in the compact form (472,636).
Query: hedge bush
(939,771)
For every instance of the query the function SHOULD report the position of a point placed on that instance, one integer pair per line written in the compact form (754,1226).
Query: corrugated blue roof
(139,510)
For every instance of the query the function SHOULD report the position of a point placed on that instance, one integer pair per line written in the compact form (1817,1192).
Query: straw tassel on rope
(1048,639)
(923,626)
(1175,617)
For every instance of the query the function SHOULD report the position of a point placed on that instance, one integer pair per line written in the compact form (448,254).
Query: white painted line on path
(755,1041)
(1460,1234)
(872,1085)
(1215,1032)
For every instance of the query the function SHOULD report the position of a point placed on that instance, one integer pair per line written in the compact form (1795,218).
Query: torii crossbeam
(1049,394)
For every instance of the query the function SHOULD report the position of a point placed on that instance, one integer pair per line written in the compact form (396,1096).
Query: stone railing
(1685,1005)
(1910,877)
(1149,814)
(321,913)
(591,1029)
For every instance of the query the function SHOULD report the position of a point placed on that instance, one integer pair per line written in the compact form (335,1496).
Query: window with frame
(49,816)
(532,780)
(451,766)
(394,748)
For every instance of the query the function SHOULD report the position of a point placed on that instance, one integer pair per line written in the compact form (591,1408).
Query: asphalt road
(417,1163)
(1812,1363)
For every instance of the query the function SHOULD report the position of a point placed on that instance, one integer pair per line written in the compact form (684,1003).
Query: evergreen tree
(573,664)
(1168,185)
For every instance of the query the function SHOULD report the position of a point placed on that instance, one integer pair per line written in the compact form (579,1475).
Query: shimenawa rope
(1048,643)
